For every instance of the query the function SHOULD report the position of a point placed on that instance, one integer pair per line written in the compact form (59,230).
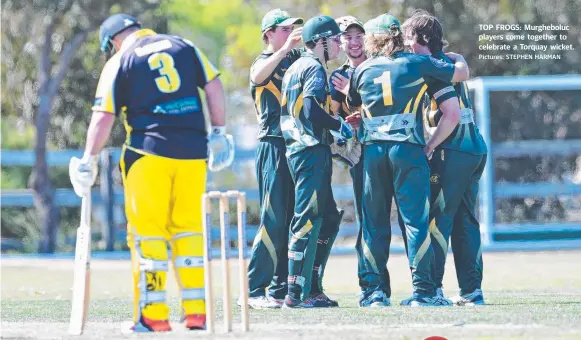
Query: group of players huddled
(369,114)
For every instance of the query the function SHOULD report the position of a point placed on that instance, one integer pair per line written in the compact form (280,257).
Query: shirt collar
(131,38)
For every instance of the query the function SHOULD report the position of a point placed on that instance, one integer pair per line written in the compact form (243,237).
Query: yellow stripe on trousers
(438,236)
(422,251)
(262,236)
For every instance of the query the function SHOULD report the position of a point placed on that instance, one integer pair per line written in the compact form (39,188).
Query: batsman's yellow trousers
(163,206)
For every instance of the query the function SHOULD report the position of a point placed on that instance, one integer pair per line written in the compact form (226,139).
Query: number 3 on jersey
(385,80)
(169,80)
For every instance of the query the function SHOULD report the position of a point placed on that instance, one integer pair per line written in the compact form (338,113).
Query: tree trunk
(40,181)
(44,200)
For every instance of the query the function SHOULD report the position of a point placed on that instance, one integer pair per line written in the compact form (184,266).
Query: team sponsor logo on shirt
(177,107)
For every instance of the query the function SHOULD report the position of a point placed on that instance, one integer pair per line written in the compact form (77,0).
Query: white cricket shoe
(476,298)
(408,301)
(434,301)
(262,302)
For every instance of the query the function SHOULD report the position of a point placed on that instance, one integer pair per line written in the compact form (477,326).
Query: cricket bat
(82,271)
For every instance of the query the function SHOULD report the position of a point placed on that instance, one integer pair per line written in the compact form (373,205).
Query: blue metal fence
(489,188)
(108,196)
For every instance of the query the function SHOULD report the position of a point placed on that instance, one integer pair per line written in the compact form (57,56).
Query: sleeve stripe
(105,96)
(443,92)
(210,71)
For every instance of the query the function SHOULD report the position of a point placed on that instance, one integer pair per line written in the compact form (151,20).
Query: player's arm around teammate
(164,160)
(305,124)
(459,157)
(268,267)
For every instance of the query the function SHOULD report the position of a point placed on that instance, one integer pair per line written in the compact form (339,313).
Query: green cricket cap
(383,24)
(278,17)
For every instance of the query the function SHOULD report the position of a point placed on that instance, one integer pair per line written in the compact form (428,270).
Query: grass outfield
(529,295)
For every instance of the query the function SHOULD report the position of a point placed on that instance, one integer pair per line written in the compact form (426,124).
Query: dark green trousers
(315,223)
(454,186)
(357,178)
(268,267)
(400,171)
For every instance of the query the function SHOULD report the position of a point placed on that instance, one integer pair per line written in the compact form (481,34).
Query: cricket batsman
(152,83)
(457,163)
(268,267)
(305,123)
(352,38)
(389,89)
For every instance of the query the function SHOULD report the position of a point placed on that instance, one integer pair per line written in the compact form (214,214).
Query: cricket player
(152,82)
(459,158)
(389,89)
(268,267)
(305,124)
(352,38)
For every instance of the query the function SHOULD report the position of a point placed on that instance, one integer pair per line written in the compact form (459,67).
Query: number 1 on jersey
(385,80)
(169,80)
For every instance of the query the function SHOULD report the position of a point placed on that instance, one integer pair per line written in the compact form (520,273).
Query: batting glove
(83,173)
(220,149)
(347,154)
(344,134)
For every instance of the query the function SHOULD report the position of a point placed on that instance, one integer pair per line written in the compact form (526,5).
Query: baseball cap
(278,17)
(383,24)
(347,21)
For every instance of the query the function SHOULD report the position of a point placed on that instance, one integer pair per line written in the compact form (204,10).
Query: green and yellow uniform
(316,217)
(456,167)
(356,171)
(390,92)
(268,267)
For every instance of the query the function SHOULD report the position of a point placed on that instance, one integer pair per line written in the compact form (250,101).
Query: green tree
(227,31)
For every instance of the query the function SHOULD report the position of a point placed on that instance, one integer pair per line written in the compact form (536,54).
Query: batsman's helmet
(321,26)
(112,26)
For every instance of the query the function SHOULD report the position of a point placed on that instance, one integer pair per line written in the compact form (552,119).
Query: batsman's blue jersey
(267,95)
(466,137)
(390,92)
(305,78)
(346,71)
(153,83)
